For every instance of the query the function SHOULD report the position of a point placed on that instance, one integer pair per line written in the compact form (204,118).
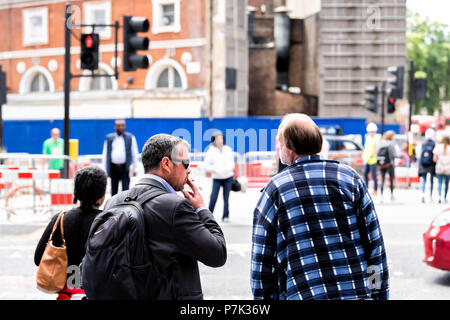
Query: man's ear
(164,166)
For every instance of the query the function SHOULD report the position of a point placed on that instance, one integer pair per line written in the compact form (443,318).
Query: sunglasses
(185,162)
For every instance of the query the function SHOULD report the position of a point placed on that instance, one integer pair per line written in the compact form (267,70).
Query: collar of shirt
(168,187)
(308,158)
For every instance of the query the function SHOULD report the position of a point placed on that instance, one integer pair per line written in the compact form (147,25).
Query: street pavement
(403,222)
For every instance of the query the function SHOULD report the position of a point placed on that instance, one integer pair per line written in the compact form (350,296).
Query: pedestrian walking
(119,157)
(441,154)
(427,166)
(54,146)
(387,153)
(89,192)
(372,141)
(180,231)
(315,229)
(219,161)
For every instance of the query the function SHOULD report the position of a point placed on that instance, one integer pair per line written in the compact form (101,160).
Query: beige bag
(51,276)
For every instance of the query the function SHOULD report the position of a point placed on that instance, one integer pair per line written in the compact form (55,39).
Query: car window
(342,145)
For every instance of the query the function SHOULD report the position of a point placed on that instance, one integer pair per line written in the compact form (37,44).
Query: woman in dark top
(89,190)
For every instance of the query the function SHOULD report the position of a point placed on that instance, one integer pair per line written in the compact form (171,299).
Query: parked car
(346,149)
(437,242)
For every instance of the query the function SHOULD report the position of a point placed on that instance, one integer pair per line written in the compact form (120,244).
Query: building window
(36,79)
(35,26)
(166,16)
(169,78)
(100,83)
(39,84)
(166,74)
(98,13)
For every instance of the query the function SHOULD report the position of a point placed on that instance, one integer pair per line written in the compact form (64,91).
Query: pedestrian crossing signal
(89,51)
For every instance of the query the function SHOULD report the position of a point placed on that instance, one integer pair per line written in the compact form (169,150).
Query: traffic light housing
(132,43)
(372,98)
(421,88)
(89,51)
(3,88)
(391,104)
(397,81)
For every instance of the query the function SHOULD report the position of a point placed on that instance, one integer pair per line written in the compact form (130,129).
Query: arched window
(169,78)
(39,84)
(101,83)
(98,83)
(36,79)
(166,74)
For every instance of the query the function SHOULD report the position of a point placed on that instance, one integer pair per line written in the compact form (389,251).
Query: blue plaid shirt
(316,236)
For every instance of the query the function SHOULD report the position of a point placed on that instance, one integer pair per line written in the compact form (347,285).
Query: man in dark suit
(120,153)
(180,231)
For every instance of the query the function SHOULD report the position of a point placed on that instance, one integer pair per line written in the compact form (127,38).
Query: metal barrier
(28,185)
(260,166)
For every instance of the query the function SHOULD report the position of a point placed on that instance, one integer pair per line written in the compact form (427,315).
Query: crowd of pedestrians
(301,245)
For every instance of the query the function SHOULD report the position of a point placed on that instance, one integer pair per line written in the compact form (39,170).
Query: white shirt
(118,154)
(220,162)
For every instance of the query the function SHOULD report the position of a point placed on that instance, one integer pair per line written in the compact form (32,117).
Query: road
(403,223)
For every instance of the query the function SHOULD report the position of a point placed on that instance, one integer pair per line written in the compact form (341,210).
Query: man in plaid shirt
(315,230)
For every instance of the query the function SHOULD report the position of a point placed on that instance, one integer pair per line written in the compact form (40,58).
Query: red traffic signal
(89,42)
(89,56)
(391,104)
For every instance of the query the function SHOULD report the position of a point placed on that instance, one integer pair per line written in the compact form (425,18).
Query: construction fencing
(28,184)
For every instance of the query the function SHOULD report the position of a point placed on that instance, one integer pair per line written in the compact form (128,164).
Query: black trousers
(391,171)
(119,173)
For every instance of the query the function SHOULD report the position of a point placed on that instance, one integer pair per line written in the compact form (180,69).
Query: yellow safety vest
(369,148)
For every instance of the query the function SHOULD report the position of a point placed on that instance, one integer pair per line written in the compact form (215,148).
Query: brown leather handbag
(51,276)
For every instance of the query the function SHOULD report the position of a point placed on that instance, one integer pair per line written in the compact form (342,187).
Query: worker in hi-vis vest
(372,140)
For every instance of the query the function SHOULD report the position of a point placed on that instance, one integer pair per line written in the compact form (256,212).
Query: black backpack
(383,156)
(118,263)
(426,158)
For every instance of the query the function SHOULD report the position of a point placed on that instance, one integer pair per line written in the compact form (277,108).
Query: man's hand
(194,196)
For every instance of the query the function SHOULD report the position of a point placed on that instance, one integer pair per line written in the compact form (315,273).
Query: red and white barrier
(61,191)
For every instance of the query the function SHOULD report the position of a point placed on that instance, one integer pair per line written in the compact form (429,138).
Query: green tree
(428,44)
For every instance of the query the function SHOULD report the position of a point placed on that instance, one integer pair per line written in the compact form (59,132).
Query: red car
(437,242)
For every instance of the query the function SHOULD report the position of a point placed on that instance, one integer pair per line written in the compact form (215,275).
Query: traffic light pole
(67,78)
(383,105)
(411,93)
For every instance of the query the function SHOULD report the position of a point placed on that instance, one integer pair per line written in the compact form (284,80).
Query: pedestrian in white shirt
(219,161)
(119,158)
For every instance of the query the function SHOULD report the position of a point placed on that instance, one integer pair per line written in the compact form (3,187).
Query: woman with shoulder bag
(89,190)
(441,156)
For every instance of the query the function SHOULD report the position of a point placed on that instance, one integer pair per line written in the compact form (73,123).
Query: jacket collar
(157,183)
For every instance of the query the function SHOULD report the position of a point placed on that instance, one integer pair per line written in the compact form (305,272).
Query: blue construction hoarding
(243,134)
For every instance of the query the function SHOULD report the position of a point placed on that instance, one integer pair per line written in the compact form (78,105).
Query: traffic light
(132,43)
(89,51)
(397,82)
(372,98)
(3,88)
(421,89)
(391,104)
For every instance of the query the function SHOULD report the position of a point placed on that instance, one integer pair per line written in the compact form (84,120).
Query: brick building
(182,81)
(332,50)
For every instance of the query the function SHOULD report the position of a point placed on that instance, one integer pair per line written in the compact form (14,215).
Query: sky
(436,10)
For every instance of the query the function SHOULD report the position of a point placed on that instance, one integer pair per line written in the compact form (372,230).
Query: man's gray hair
(158,147)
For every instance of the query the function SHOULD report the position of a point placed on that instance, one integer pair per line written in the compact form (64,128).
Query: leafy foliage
(428,44)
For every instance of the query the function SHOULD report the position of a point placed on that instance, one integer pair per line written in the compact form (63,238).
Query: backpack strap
(142,198)
(149,195)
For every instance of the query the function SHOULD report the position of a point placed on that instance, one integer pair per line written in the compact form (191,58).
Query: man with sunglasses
(180,230)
